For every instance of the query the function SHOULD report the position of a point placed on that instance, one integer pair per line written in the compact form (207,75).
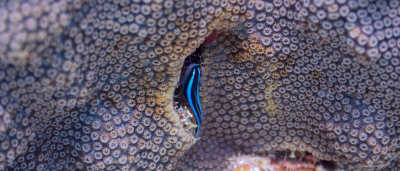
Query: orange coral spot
(242,168)
(248,168)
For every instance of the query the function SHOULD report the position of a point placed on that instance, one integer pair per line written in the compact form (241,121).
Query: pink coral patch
(211,38)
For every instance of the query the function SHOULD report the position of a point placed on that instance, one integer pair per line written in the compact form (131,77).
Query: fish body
(190,84)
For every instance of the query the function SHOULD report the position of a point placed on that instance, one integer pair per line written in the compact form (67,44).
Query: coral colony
(284,85)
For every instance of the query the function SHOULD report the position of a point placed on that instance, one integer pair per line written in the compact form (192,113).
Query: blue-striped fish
(190,84)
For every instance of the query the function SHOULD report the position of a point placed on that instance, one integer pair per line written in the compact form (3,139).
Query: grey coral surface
(89,84)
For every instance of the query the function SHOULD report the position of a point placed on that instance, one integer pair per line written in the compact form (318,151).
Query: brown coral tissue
(300,84)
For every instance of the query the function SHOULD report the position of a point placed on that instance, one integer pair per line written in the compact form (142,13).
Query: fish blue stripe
(191,90)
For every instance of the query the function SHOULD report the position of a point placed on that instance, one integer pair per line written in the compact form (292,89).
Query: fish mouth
(181,105)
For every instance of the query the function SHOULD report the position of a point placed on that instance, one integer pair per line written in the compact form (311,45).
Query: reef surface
(90,84)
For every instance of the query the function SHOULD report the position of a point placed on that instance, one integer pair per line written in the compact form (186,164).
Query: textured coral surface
(89,84)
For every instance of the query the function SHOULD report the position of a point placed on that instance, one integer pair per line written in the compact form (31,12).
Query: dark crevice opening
(179,99)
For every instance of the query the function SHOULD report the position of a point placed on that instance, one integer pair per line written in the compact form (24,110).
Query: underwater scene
(200,85)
